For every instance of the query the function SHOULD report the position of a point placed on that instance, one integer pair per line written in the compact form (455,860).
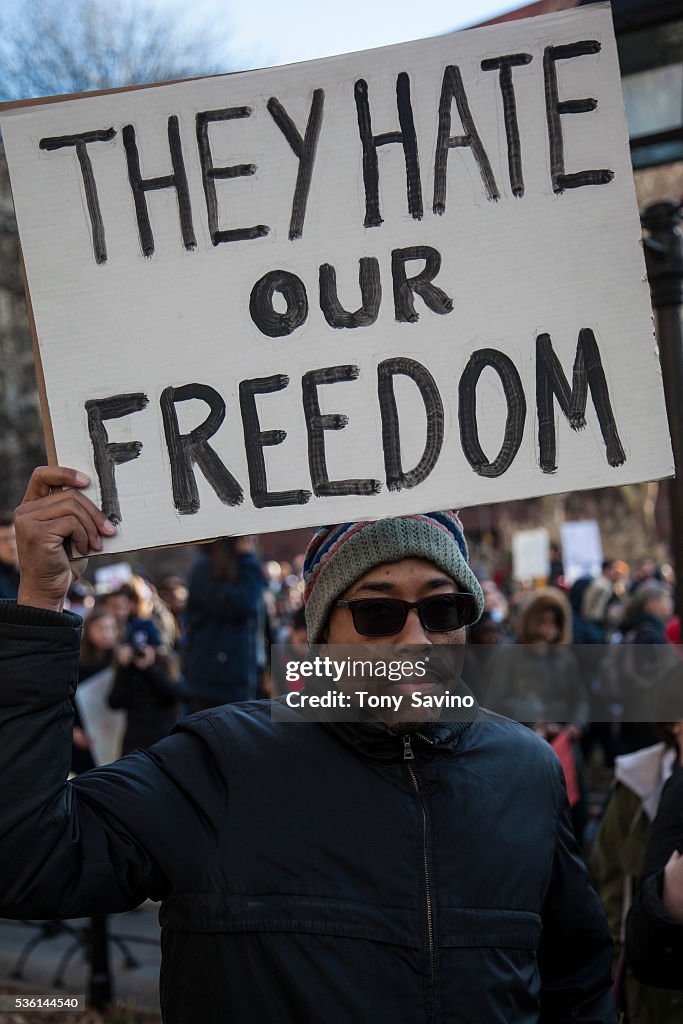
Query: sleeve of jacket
(575,952)
(654,941)
(109,839)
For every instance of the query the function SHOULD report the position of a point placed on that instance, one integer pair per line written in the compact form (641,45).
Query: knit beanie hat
(339,555)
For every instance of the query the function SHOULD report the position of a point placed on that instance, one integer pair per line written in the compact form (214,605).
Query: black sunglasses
(384,616)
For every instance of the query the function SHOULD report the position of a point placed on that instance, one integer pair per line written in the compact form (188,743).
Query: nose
(413,633)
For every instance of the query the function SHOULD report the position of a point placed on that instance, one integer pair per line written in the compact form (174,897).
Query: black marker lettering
(263,313)
(177,180)
(317,424)
(109,454)
(370,290)
(80,143)
(452,89)
(421,284)
(210,174)
(397,478)
(467,411)
(186,449)
(255,440)
(304,150)
(507,91)
(370,143)
(554,108)
(551,382)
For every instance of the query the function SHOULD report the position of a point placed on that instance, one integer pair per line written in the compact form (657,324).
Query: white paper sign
(105,726)
(581,549)
(531,554)
(387,282)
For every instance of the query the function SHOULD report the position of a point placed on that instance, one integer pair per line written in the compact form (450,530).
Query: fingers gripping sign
(53,511)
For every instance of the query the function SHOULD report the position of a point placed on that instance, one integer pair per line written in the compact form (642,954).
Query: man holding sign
(338,871)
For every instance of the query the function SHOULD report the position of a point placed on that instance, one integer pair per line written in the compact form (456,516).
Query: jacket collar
(374,741)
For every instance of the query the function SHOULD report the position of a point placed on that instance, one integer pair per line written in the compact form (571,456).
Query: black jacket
(654,941)
(309,873)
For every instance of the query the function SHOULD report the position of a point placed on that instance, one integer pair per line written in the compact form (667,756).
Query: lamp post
(663,241)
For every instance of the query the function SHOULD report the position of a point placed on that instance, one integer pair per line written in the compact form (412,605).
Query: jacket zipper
(409,756)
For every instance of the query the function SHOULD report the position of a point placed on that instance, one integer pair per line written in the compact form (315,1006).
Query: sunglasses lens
(386,616)
(378,618)
(447,612)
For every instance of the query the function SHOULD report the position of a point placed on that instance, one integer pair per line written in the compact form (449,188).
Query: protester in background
(537,681)
(555,565)
(600,595)
(81,597)
(9,568)
(141,613)
(644,571)
(640,660)
(99,642)
(484,640)
(146,688)
(118,602)
(226,621)
(173,592)
(619,855)
(654,928)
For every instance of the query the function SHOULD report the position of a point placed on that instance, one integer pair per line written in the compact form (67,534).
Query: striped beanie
(339,555)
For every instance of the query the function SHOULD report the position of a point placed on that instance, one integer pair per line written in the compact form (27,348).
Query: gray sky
(266,32)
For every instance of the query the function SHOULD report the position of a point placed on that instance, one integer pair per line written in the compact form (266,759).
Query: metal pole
(664,260)
(100,986)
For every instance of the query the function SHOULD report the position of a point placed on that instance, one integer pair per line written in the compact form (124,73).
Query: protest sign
(105,727)
(581,549)
(393,281)
(531,554)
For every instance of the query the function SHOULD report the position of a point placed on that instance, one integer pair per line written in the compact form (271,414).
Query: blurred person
(600,595)
(141,617)
(328,871)
(118,602)
(495,602)
(620,848)
(9,566)
(555,564)
(81,597)
(146,688)
(226,623)
(174,593)
(654,927)
(537,681)
(644,571)
(637,663)
(484,639)
(99,641)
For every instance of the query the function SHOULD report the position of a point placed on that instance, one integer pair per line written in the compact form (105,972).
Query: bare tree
(49,47)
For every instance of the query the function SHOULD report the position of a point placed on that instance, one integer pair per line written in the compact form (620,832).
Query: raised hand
(53,511)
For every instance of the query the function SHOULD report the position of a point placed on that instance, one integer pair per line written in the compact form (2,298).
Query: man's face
(8,545)
(409,580)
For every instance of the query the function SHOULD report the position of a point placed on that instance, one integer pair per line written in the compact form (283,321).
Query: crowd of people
(565,660)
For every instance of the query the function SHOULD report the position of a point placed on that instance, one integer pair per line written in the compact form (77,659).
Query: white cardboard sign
(531,554)
(393,281)
(581,549)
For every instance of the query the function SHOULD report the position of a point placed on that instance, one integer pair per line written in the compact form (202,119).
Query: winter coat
(225,628)
(309,872)
(150,699)
(619,855)
(538,681)
(654,941)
